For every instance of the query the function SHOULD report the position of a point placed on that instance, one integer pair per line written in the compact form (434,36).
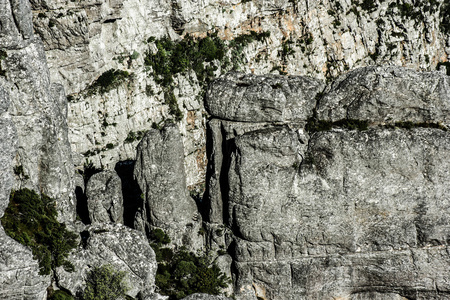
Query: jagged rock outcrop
(19,272)
(104,198)
(35,150)
(318,38)
(388,94)
(268,99)
(339,213)
(121,247)
(38,109)
(250,98)
(159,171)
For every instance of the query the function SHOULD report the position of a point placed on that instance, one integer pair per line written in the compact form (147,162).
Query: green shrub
(186,273)
(203,56)
(60,295)
(181,273)
(31,220)
(159,236)
(188,54)
(134,136)
(107,81)
(174,110)
(105,283)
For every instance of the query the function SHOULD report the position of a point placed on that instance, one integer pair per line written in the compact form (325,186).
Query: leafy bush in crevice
(105,283)
(60,295)
(31,220)
(107,81)
(134,136)
(188,54)
(181,273)
(204,56)
(171,101)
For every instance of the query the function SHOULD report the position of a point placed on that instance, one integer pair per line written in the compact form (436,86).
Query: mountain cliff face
(304,144)
(321,39)
(349,205)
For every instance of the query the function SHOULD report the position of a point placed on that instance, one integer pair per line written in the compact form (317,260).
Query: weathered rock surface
(8,136)
(270,98)
(318,38)
(19,272)
(159,171)
(104,198)
(339,213)
(38,109)
(384,94)
(35,152)
(121,247)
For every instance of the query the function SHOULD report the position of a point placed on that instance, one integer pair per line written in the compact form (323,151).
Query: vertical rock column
(38,110)
(160,173)
(19,278)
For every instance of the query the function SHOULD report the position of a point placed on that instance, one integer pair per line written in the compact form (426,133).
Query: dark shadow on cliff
(80,193)
(226,147)
(131,191)
(82,208)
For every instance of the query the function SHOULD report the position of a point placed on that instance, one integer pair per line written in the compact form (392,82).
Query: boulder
(387,94)
(104,198)
(268,98)
(205,297)
(123,248)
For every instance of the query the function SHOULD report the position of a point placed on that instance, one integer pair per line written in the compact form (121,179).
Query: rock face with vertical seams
(340,213)
(35,152)
(159,171)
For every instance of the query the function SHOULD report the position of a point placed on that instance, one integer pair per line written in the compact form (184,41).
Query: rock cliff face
(333,185)
(337,213)
(127,250)
(35,150)
(159,171)
(322,39)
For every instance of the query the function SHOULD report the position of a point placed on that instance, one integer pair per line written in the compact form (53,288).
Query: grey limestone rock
(339,213)
(8,137)
(386,94)
(123,248)
(160,172)
(19,272)
(269,98)
(17,27)
(39,112)
(35,152)
(104,198)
